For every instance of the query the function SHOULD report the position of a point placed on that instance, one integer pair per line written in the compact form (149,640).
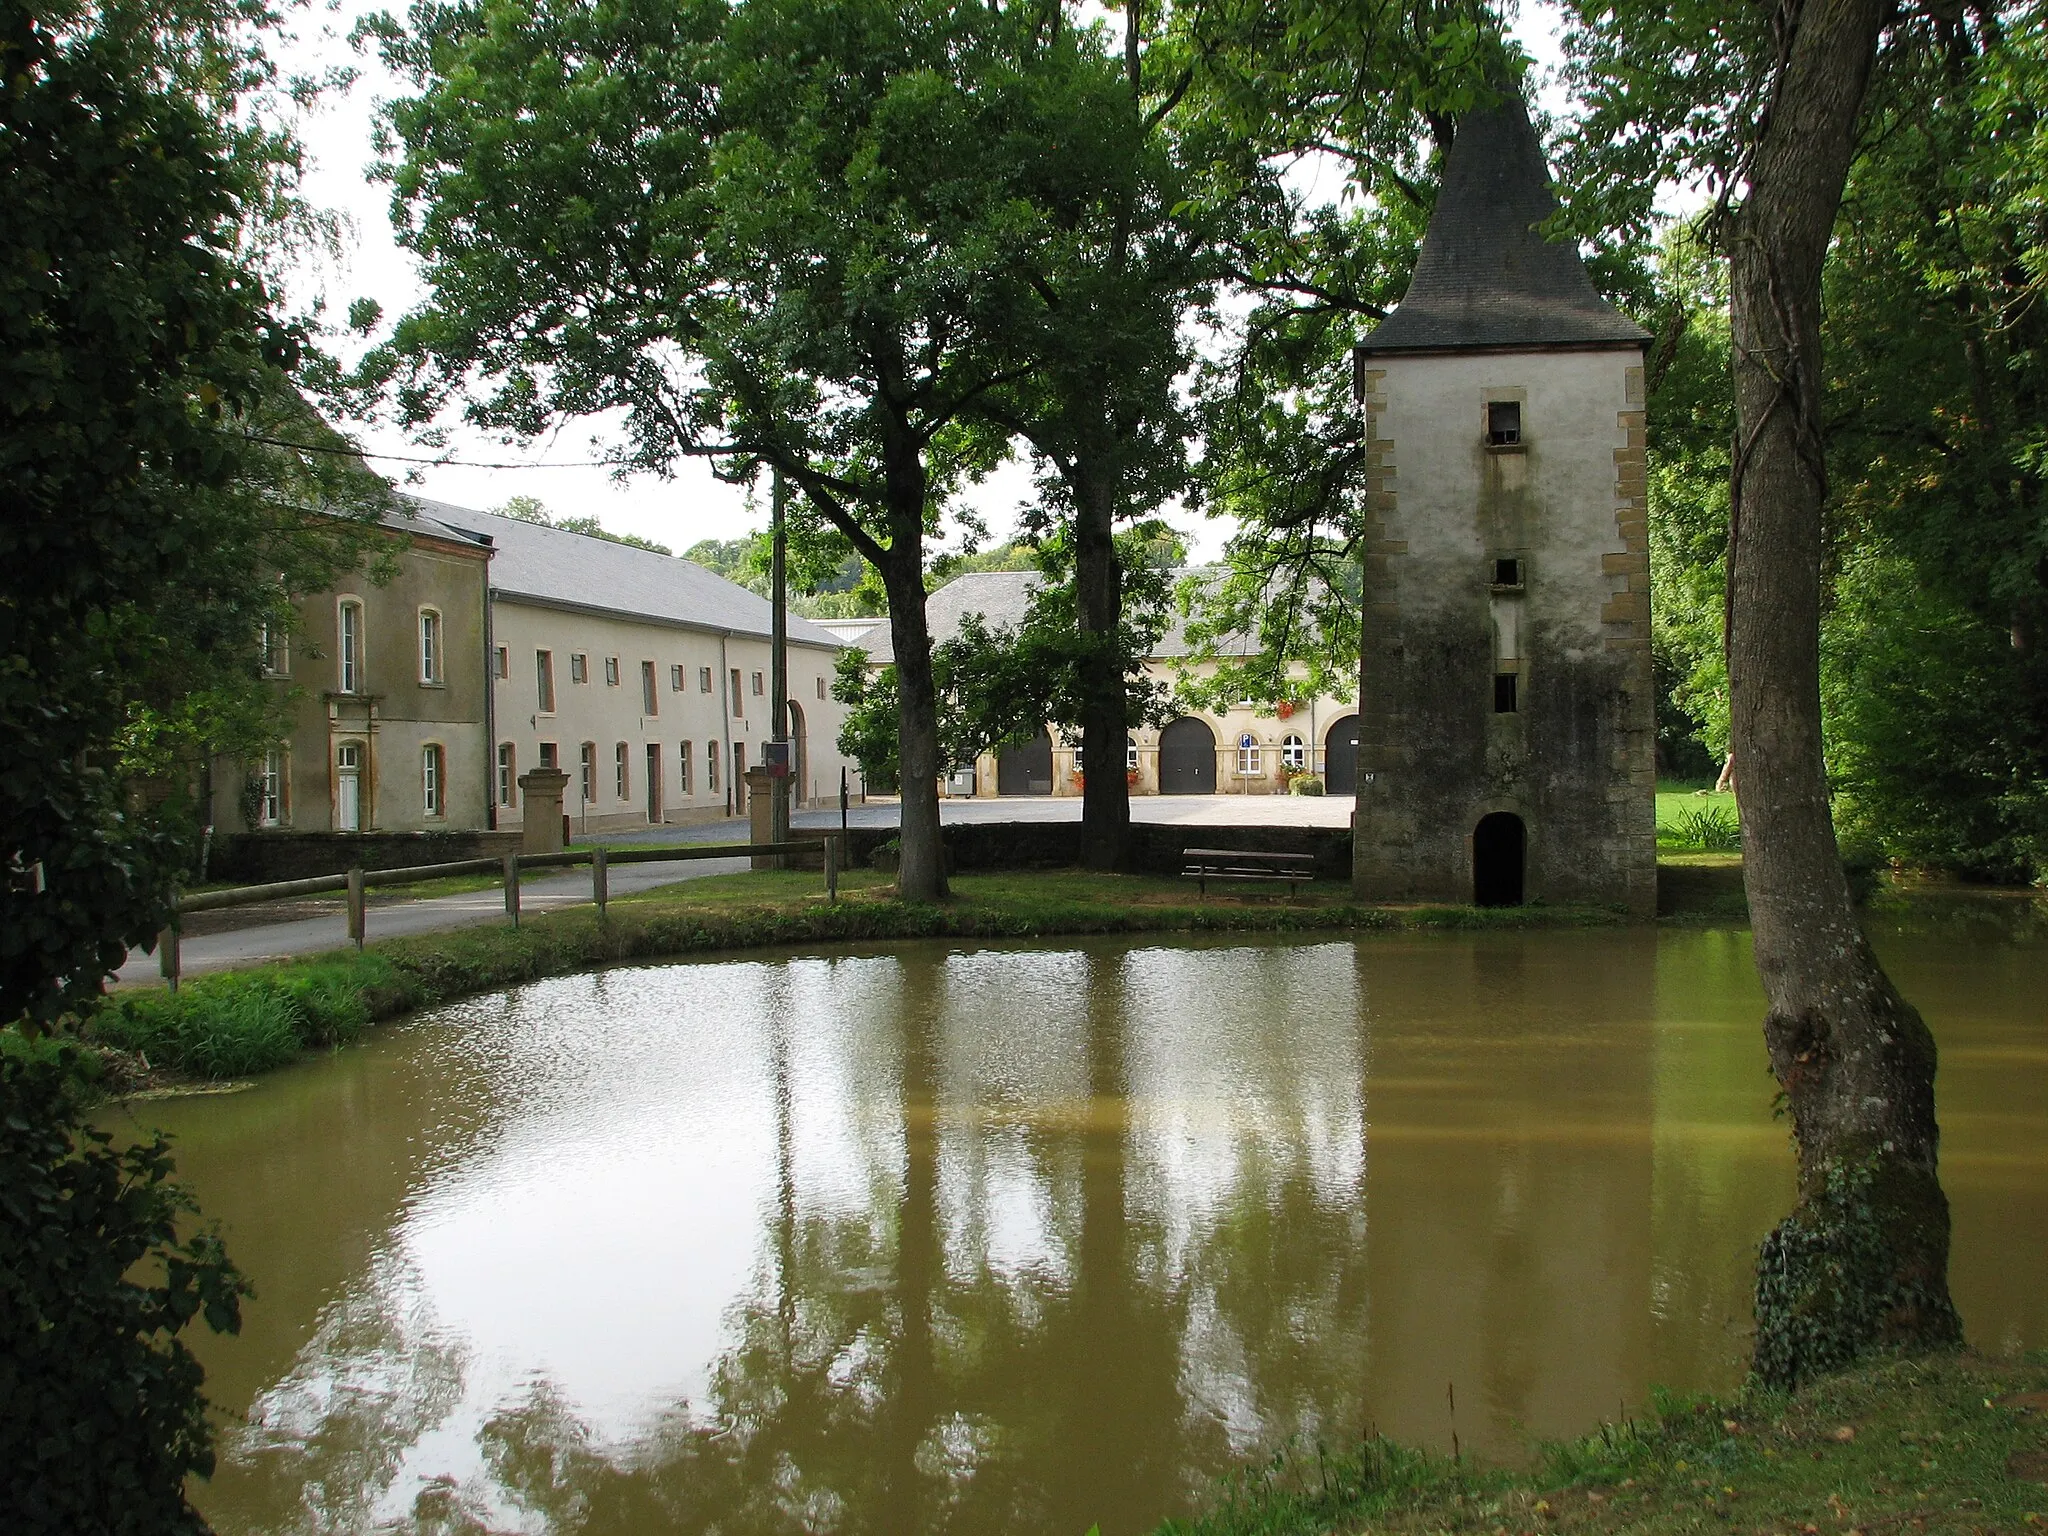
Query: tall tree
(148,524)
(789,233)
(145,531)
(1769,101)
(1134,258)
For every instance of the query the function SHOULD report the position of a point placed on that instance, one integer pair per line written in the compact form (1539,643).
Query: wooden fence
(356,882)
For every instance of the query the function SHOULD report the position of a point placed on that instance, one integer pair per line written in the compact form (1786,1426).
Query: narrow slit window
(1504,693)
(1503,423)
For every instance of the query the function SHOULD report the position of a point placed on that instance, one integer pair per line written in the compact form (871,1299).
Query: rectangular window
(650,702)
(675,677)
(821,688)
(276,654)
(757,685)
(738,702)
(544,680)
(579,667)
(683,769)
(589,766)
(1507,572)
(508,783)
(549,756)
(431,767)
(1504,693)
(504,662)
(1503,423)
(271,811)
(703,679)
(619,768)
(430,647)
(351,648)
(1251,757)
(711,766)
(611,671)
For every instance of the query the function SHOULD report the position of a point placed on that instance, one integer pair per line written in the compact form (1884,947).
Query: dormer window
(1503,423)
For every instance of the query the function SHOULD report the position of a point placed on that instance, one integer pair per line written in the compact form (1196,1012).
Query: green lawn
(1943,1444)
(1676,799)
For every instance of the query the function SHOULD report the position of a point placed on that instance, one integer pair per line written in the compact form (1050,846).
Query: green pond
(934,1238)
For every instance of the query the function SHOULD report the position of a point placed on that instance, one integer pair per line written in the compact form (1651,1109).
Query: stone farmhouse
(1249,749)
(498,646)
(1508,740)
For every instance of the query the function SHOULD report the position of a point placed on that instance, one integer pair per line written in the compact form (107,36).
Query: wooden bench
(1206,864)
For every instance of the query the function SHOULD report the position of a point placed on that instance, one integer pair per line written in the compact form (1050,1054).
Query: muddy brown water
(1023,1239)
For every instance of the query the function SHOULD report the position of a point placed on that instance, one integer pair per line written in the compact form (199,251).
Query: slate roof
(560,569)
(1002,598)
(1486,277)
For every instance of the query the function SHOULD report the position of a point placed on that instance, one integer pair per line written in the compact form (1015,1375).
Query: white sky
(679,512)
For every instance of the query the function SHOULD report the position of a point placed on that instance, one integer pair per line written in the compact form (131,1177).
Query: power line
(405,458)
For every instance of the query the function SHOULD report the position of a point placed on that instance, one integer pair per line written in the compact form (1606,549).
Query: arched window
(619,761)
(348,650)
(433,780)
(430,647)
(683,784)
(588,763)
(1294,752)
(508,776)
(711,766)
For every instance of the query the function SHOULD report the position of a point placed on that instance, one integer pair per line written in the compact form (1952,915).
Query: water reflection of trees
(1045,1239)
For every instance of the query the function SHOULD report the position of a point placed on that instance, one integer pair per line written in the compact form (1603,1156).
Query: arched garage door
(1187,758)
(1026,770)
(1340,757)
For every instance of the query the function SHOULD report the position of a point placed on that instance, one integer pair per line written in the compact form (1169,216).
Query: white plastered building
(644,677)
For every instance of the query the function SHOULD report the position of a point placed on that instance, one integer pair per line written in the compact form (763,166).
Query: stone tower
(1507,747)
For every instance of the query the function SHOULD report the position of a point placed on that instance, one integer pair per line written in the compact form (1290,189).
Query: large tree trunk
(1105,713)
(921,876)
(1863,1259)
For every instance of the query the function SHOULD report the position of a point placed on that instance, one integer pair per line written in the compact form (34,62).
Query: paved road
(315,935)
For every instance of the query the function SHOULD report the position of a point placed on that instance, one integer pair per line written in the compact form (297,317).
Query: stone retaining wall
(1156,848)
(256,858)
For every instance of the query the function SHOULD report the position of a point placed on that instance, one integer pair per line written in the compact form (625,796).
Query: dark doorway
(1026,770)
(1497,855)
(803,791)
(1187,758)
(1340,757)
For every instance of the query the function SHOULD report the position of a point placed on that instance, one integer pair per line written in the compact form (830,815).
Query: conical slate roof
(1486,277)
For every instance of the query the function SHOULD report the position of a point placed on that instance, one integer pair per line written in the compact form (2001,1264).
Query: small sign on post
(775,758)
(512,888)
(357,914)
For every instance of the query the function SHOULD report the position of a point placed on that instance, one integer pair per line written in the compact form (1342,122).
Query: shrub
(101,1417)
(1305,784)
(1711,828)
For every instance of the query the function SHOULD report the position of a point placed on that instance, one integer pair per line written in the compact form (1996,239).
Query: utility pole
(780,753)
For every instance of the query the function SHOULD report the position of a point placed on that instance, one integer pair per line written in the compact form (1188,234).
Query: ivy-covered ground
(1951,1443)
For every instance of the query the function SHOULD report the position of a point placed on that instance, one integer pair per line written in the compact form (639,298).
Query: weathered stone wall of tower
(1575,758)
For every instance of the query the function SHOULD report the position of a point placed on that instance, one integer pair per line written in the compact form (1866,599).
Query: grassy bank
(1944,1443)
(234,1023)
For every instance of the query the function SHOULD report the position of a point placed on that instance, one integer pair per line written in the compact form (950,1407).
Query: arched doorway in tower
(1026,770)
(1187,758)
(1340,757)
(1499,848)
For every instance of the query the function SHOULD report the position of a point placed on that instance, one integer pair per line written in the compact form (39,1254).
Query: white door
(348,789)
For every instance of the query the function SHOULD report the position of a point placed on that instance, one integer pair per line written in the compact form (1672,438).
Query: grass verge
(234,1023)
(1944,1443)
